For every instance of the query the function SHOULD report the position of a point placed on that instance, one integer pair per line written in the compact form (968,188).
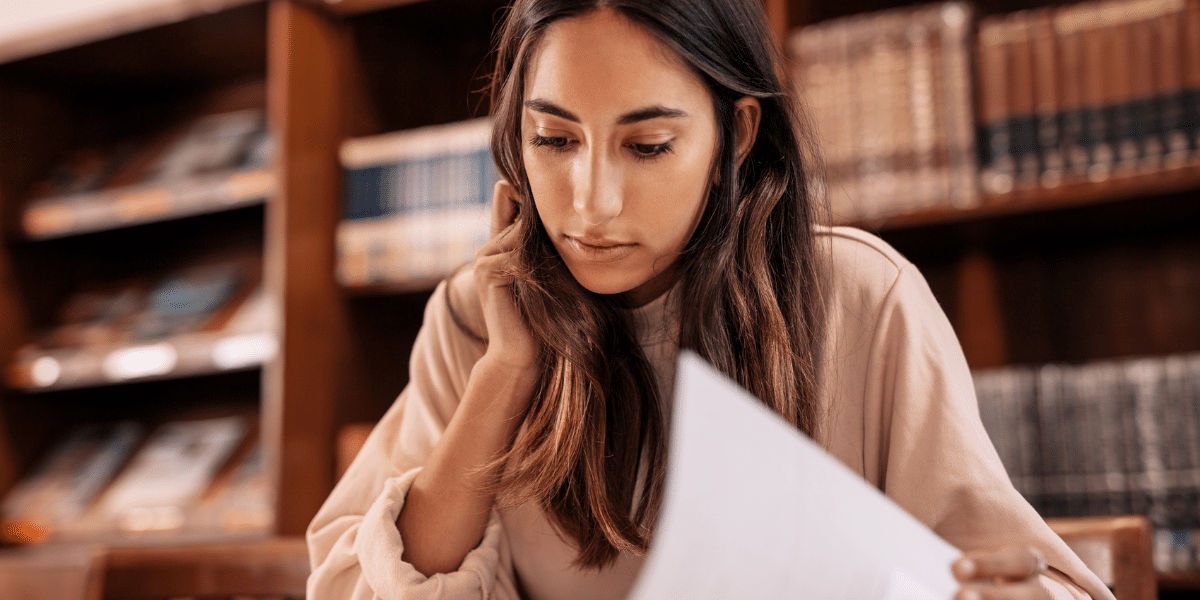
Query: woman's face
(619,140)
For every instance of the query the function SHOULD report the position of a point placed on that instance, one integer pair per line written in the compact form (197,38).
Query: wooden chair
(275,568)
(1120,550)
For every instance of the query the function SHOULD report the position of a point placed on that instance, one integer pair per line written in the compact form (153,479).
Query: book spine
(1120,82)
(845,105)
(1046,98)
(1191,75)
(1105,386)
(998,169)
(1146,108)
(1098,108)
(955,42)
(1166,54)
(1054,439)
(1024,394)
(1086,457)
(1022,116)
(1145,379)
(1075,142)
(1179,431)
(926,127)
(899,141)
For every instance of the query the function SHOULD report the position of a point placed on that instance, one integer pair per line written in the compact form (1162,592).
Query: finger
(504,206)
(1025,590)
(1013,564)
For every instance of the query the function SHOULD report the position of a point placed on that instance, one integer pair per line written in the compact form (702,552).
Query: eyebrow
(642,114)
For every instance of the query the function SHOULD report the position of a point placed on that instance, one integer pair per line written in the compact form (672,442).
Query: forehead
(604,64)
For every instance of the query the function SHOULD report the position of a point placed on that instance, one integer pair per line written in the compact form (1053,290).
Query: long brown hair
(751,273)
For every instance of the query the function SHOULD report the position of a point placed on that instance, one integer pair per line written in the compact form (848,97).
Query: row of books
(889,95)
(206,317)
(927,107)
(1103,438)
(215,162)
(1177,551)
(1088,91)
(104,481)
(416,203)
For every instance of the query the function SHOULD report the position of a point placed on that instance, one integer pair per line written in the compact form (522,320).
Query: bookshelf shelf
(1134,188)
(176,357)
(1179,581)
(62,216)
(358,7)
(34,29)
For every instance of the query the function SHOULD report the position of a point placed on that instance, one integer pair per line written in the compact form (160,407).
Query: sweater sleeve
(936,459)
(354,545)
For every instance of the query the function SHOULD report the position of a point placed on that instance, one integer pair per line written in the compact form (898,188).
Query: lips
(599,249)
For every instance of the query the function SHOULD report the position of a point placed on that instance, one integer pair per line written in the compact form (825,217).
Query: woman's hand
(510,344)
(1005,574)
(449,503)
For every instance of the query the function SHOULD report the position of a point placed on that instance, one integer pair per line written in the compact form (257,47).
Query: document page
(755,509)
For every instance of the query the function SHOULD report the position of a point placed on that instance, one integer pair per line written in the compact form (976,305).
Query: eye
(650,151)
(555,143)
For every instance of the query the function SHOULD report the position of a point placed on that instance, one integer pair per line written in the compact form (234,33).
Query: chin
(598,284)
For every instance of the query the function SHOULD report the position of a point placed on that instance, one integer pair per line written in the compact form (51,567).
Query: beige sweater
(899,409)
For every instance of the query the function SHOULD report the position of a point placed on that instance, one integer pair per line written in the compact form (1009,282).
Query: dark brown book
(1046,97)
(1075,133)
(1120,82)
(1022,100)
(1191,74)
(998,167)
(1167,56)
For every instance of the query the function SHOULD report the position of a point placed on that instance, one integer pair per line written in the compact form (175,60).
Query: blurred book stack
(1087,92)
(194,478)
(1105,438)
(416,204)
(215,161)
(206,317)
(889,94)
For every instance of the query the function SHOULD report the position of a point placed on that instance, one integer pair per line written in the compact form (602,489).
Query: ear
(747,114)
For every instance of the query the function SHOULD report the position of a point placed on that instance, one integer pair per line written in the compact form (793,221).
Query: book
(239,502)
(997,163)
(64,484)
(889,94)
(416,203)
(1046,94)
(169,472)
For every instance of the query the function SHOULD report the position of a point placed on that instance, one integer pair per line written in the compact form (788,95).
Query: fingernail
(970,595)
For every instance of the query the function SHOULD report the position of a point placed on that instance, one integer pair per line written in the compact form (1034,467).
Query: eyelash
(643,152)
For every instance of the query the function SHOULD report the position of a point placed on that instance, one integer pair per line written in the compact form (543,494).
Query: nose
(598,194)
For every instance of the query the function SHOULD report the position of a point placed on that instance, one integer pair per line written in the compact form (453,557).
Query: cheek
(676,200)
(547,191)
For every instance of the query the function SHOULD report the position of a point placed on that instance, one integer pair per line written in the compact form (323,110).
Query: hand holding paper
(754,509)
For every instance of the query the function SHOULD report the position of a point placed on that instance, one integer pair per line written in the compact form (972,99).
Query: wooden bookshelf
(136,82)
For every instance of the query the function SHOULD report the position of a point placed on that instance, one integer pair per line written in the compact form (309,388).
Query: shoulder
(859,262)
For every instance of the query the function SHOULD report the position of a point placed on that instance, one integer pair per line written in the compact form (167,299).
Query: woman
(655,196)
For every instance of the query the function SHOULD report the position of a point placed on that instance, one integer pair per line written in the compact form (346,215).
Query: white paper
(754,509)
